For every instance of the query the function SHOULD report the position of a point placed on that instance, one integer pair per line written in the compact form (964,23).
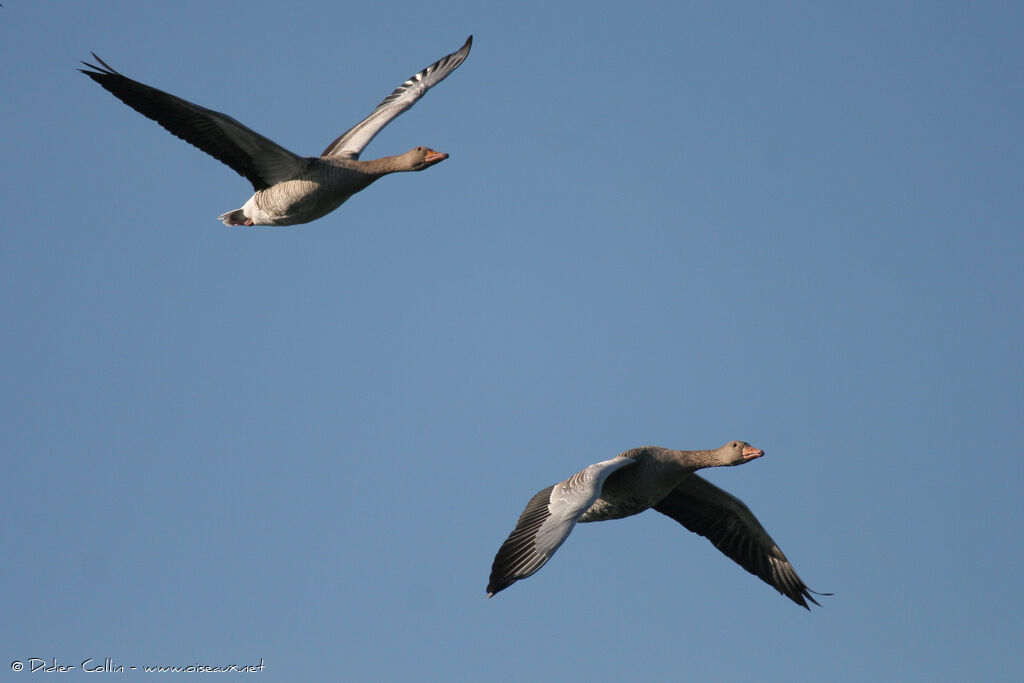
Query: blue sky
(661,223)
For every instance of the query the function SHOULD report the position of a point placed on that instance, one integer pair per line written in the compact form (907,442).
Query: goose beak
(749,453)
(434,157)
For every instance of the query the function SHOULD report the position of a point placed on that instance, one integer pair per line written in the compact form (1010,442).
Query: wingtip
(87,64)
(103,65)
(807,594)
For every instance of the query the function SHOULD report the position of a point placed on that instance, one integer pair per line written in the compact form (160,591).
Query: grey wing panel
(546,522)
(353,141)
(519,556)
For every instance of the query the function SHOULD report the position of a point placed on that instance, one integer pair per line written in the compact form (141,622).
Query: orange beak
(434,157)
(749,453)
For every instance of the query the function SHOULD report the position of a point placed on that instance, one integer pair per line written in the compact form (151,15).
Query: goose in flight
(642,478)
(290,189)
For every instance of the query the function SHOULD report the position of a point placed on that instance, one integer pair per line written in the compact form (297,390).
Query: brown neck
(697,459)
(385,165)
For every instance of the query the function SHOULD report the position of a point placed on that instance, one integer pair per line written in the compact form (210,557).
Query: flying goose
(642,478)
(289,189)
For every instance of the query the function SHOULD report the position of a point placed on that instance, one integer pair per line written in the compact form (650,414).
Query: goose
(289,189)
(642,478)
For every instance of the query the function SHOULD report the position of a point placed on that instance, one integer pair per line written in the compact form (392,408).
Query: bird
(634,481)
(289,189)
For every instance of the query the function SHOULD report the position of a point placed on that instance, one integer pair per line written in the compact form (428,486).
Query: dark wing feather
(518,556)
(728,523)
(263,162)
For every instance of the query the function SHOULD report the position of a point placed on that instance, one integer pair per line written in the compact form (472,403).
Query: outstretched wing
(546,522)
(262,161)
(728,523)
(356,138)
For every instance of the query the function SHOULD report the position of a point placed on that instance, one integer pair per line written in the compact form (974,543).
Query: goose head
(737,453)
(419,158)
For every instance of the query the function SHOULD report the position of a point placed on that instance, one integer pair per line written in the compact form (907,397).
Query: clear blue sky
(671,224)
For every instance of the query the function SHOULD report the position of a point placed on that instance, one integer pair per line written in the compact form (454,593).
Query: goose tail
(236,217)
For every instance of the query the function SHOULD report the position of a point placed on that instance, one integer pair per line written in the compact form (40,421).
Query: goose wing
(262,161)
(356,138)
(546,522)
(728,523)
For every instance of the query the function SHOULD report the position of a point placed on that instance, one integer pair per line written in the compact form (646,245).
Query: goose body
(640,479)
(289,189)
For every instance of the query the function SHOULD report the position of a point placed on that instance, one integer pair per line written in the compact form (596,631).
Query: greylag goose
(289,189)
(642,478)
